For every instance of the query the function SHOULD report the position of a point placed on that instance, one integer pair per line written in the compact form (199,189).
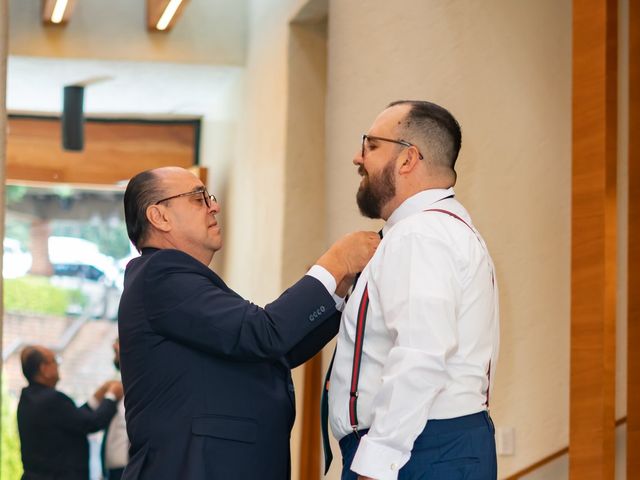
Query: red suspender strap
(451,214)
(357,357)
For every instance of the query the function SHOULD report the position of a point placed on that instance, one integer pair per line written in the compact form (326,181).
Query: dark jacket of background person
(53,433)
(206,373)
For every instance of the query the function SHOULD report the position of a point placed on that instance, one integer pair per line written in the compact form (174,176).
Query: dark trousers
(462,448)
(114,473)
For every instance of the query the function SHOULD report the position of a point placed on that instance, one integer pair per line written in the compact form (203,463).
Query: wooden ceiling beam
(162,15)
(57,12)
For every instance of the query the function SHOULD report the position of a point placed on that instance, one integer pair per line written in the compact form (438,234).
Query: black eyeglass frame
(206,196)
(404,143)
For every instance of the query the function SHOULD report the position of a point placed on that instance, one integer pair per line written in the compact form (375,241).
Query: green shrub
(34,294)
(11,463)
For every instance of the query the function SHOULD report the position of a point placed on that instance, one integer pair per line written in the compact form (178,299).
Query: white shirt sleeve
(323,276)
(93,403)
(418,287)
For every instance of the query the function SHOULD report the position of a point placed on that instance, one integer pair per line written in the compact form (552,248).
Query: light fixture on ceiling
(162,14)
(72,120)
(57,12)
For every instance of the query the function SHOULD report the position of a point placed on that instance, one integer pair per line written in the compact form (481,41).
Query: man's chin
(367,210)
(217,246)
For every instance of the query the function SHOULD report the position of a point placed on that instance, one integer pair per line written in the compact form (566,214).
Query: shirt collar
(416,203)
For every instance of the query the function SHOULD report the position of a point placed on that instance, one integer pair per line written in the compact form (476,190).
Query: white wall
(503,68)
(254,246)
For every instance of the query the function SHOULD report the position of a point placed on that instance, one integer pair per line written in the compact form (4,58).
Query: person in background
(53,430)
(115,443)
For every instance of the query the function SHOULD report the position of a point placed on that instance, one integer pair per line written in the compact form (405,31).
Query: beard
(376,191)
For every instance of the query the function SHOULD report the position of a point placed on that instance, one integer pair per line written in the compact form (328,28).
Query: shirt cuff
(323,276)
(110,396)
(93,403)
(378,461)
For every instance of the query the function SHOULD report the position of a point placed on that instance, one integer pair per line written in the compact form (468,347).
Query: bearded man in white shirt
(418,342)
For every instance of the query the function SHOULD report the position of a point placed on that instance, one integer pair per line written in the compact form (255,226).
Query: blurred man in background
(53,431)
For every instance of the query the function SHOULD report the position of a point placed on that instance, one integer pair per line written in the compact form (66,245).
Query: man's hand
(348,256)
(99,395)
(343,287)
(360,477)
(116,390)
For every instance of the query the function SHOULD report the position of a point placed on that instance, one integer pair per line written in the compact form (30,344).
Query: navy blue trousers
(114,473)
(462,448)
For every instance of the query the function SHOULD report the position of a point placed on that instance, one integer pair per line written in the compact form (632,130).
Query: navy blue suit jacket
(208,390)
(53,433)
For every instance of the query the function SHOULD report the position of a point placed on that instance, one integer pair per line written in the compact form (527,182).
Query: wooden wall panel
(114,150)
(593,242)
(633,295)
(310,445)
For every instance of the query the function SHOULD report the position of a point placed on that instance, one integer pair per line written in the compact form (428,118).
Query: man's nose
(215,207)
(357,158)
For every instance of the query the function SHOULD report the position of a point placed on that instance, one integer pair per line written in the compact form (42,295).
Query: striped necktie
(324,403)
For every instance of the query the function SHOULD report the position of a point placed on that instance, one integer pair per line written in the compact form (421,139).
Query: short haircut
(435,127)
(31,358)
(142,191)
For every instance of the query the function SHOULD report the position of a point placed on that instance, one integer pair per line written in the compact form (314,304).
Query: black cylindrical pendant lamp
(73,118)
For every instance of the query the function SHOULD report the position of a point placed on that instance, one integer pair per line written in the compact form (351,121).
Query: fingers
(116,389)
(360,247)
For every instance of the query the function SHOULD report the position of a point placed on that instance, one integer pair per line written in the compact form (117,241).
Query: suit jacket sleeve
(313,343)
(81,419)
(188,303)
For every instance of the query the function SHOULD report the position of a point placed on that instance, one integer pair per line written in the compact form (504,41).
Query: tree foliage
(11,463)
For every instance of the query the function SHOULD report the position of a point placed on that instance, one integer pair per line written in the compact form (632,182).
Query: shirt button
(394,466)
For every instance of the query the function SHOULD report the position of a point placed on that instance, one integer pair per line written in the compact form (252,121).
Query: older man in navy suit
(208,390)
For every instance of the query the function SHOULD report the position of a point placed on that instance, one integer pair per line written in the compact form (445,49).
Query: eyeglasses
(55,359)
(404,143)
(206,196)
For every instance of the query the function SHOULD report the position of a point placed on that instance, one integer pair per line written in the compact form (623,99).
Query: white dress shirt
(329,282)
(431,336)
(116,452)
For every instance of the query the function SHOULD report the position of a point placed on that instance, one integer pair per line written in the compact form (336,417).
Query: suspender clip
(353,394)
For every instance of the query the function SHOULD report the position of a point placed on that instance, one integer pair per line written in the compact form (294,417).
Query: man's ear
(156,214)
(411,160)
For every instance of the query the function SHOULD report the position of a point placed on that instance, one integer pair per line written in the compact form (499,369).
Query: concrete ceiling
(192,70)
(148,88)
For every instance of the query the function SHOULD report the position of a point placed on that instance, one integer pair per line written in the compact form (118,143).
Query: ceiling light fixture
(168,14)
(163,14)
(57,12)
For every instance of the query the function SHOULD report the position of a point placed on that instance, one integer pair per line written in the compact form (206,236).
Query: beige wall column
(633,286)
(304,235)
(593,254)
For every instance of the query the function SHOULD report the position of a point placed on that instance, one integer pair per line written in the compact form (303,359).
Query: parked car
(15,262)
(79,265)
